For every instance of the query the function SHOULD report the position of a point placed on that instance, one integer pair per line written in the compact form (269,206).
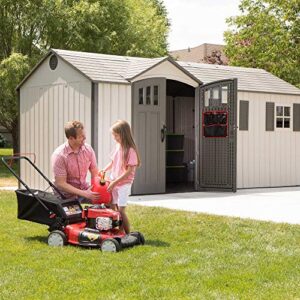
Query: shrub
(2,141)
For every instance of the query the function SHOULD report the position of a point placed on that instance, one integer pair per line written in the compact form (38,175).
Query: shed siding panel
(267,158)
(114,103)
(44,111)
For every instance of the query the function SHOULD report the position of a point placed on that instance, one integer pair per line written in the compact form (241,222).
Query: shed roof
(110,68)
(122,69)
(249,79)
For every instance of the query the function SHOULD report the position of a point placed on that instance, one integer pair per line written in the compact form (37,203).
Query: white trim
(283,117)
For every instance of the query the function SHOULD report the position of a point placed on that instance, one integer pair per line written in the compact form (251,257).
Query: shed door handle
(163,133)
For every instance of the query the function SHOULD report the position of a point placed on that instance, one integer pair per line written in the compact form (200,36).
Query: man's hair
(71,128)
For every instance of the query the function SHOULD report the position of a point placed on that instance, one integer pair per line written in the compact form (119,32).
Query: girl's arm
(108,167)
(123,176)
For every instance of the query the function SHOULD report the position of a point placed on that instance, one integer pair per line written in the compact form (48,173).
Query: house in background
(241,126)
(205,53)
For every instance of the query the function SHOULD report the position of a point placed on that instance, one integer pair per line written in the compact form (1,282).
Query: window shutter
(296,117)
(270,116)
(244,115)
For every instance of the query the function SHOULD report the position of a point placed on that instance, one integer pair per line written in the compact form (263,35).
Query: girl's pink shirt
(117,166)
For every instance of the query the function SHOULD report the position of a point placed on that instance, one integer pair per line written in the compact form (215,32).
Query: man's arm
(61,183)
(94,172)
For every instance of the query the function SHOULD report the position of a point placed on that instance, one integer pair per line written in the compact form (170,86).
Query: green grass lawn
(6,178)
(186,256)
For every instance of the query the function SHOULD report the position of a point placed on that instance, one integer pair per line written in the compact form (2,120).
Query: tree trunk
(15,137)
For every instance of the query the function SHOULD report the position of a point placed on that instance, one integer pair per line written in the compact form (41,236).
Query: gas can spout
(102,178)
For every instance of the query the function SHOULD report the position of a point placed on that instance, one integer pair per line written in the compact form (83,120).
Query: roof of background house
(122,69)
(199,54)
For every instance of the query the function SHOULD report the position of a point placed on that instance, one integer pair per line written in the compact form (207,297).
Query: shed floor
(180,187)
(272,204)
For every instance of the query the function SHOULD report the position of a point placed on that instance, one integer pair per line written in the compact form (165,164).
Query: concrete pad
(272,204)
(8,188)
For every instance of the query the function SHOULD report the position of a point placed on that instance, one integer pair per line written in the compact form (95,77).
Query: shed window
(53,62)
(155,95)
(224,94)
(148,95)
(283,116)
(206,97)
(141,96)
(215,93)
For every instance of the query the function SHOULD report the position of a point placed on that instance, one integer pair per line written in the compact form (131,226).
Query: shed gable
(167,70)
(63,73)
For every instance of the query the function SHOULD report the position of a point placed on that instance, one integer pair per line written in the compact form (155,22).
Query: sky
(194,22)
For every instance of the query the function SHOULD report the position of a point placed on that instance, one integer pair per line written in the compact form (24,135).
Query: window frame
(283,117)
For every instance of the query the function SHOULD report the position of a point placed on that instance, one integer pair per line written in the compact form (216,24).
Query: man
(71,162)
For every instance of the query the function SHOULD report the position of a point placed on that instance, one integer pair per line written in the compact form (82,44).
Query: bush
(2,141)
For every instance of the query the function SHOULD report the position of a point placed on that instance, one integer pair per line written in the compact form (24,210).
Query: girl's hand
(111,186)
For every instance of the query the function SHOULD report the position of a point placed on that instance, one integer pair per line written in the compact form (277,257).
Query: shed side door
(218,135)
(149,119)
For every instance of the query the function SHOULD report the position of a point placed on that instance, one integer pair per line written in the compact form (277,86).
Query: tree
(215,58)
(32,27)
(131,27)
(12,71)
(266,35)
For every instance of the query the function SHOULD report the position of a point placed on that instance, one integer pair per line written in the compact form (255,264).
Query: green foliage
(12,71)
(132,27)
(266,35)
(186,256)
(2,141)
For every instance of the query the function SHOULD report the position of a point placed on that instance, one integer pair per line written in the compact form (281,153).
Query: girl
(123,164)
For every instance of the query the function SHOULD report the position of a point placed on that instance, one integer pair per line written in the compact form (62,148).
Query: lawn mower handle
(6,158)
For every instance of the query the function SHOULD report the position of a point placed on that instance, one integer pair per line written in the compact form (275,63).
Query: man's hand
(91,195)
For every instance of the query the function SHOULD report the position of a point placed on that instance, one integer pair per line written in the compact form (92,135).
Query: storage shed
(197,126)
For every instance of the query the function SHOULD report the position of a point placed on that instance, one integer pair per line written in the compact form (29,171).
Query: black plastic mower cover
(43,207)
(29,208)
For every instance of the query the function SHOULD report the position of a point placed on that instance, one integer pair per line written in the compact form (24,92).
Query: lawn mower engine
(100,229)
(102,218)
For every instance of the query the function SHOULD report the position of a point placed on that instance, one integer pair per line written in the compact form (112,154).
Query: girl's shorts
(120,194)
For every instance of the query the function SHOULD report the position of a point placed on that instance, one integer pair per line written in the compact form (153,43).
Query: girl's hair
(122,128)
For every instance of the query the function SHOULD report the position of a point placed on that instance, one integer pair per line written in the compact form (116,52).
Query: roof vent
(53,62)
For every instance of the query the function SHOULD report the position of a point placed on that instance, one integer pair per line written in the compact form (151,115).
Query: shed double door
(149,119)
(218,136)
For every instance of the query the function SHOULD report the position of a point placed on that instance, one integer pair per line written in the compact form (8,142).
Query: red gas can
(100,185)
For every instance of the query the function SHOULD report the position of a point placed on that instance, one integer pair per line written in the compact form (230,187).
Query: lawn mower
(69,223)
